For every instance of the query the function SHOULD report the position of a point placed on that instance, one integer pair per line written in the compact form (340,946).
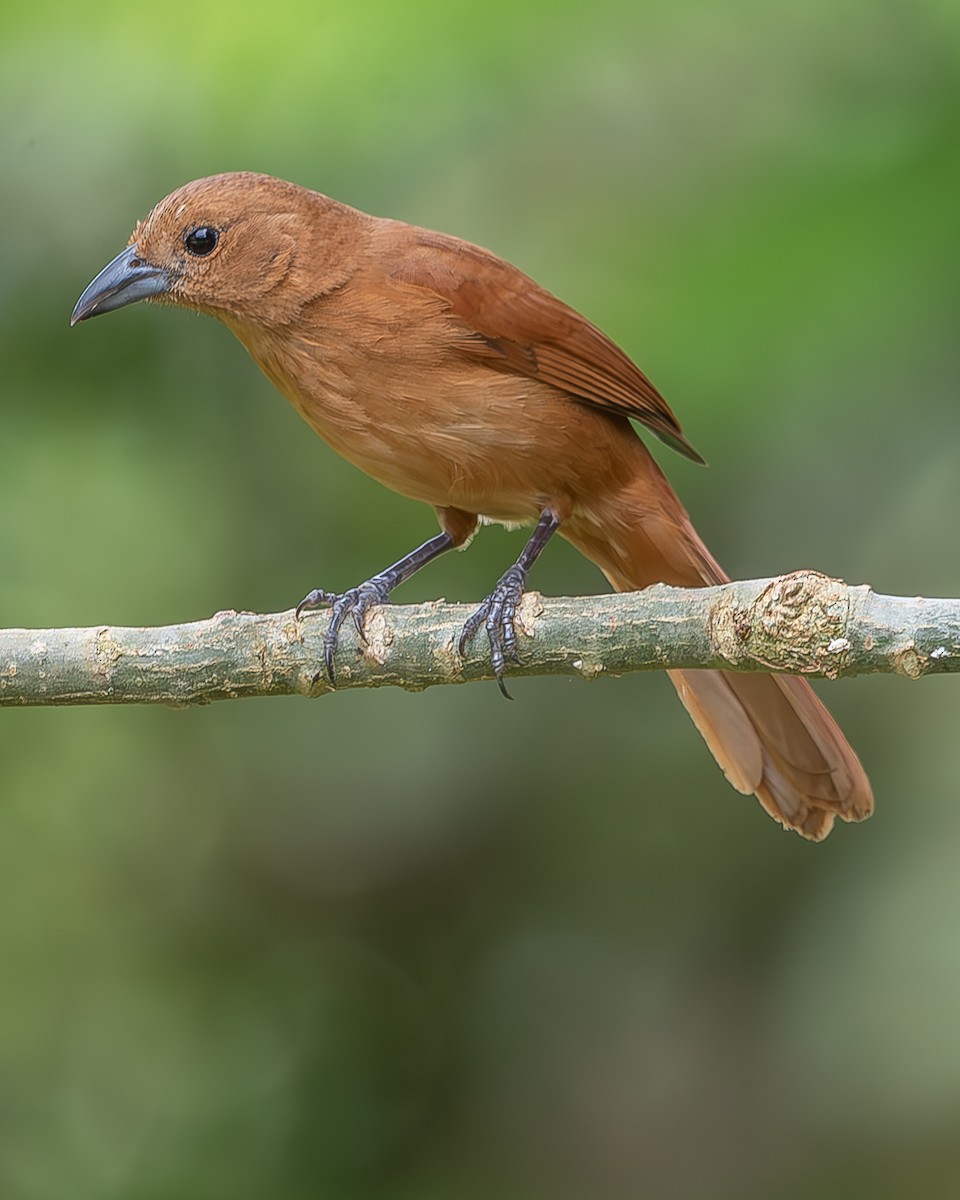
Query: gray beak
(121,282)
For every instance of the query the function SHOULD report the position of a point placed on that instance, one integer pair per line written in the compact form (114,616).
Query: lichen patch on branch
(798,622)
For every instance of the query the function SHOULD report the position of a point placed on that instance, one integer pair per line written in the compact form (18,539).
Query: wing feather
(515,325)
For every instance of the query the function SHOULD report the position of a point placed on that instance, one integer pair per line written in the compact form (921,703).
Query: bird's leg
(358,601)
(497,614)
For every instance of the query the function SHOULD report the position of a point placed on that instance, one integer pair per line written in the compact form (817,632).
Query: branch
(802,623)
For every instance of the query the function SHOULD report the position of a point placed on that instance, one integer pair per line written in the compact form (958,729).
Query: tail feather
(782,745)
(770,734)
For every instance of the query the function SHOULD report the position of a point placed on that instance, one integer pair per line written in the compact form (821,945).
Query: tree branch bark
(802,623)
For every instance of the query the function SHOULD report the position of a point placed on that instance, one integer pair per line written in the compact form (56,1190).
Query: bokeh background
(415,946)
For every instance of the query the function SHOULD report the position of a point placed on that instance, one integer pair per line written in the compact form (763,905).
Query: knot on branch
(797,623)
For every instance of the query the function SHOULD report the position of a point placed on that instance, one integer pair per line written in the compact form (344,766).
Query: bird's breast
(446,433)
(398,402)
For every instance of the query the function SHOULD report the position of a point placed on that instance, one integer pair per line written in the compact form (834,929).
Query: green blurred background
(405,946)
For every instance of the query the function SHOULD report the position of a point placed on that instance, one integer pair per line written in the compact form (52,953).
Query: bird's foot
(356,602)
(497,614)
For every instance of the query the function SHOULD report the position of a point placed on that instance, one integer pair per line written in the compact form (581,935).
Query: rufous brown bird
(453,378)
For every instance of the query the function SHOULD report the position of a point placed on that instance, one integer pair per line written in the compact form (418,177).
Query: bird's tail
(770,734)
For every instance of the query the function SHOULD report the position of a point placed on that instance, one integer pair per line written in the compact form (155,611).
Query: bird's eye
(202,240)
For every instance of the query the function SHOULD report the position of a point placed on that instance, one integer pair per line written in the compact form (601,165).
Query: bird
(450,376)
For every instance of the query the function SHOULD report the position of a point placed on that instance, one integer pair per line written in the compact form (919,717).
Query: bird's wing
(515,325)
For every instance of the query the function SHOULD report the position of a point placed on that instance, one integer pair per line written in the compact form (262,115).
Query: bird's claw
(355,602)
(497,614)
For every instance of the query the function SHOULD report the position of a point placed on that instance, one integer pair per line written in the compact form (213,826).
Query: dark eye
(202,240)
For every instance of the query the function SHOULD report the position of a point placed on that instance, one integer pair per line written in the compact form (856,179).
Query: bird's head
(240,246)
